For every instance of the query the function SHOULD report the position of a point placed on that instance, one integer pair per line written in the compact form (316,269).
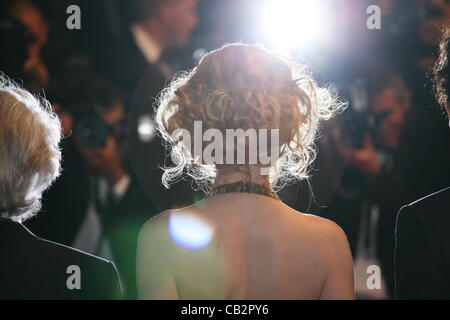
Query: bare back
(259,249)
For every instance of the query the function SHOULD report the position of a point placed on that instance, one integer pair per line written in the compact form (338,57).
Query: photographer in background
(390,108)
(374,181)
(96,107)
(104,205)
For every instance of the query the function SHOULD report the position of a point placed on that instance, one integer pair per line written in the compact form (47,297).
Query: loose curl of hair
(441,71)
(243,86)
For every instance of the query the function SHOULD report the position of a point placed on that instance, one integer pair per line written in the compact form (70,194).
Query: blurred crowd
(386,150)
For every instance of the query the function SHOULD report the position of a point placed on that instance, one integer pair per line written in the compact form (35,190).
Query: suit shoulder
(442,196)
(74,253)
(435,204)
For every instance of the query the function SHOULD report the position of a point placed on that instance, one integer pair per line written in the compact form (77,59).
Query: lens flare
(146,128)
(291,24)
(190,230)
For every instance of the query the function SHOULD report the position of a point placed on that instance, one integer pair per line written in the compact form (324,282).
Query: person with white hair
(31,267)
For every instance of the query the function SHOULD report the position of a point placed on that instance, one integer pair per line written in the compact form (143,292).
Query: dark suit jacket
(34,268)
(422,250)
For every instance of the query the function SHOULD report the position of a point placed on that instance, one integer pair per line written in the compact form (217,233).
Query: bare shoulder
(156,238)
(154,233)
(333,250)
(332,243)
(156,223)
(323,230)
(177,228)
(326,227)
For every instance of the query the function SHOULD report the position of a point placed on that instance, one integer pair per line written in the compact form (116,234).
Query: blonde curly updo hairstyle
(244,86)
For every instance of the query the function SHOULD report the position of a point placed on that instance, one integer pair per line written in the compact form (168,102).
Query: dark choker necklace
(245,187)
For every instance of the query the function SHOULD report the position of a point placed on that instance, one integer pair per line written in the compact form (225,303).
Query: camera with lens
(92,131)
(91,101)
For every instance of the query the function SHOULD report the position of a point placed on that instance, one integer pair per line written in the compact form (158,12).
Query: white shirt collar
(146,44)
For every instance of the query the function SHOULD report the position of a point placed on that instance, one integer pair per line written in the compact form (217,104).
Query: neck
(157,31)
(251,175)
